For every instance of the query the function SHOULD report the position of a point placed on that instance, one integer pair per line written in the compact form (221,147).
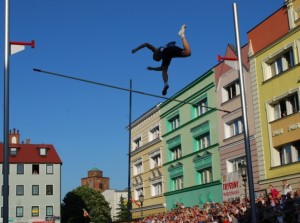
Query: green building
(191,160)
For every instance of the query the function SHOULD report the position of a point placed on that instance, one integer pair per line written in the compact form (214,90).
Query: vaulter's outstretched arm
(149,46)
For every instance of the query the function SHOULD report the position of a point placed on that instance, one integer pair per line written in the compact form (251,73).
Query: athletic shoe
(181,31)
(164,92)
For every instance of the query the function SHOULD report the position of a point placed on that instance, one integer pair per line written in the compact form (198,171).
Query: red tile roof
(269,30)
(29,153)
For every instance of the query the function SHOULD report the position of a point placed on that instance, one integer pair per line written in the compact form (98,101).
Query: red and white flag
(85,213)
(134,201)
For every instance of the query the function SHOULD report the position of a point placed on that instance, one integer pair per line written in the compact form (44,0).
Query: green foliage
(86,198)
(122,214)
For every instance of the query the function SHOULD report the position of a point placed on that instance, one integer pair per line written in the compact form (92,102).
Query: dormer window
(43,151)
(13,151)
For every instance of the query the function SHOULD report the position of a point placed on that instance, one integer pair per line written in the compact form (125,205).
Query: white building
(34,181)
(113,198)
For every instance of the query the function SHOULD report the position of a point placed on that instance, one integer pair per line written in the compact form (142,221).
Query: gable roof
(30,153)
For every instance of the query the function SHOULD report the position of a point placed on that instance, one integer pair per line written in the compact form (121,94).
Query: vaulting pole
(245,119)
(6,115)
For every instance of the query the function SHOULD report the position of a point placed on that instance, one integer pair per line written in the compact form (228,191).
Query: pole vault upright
(129,158)
(6,113)
(9,48)
(245,119)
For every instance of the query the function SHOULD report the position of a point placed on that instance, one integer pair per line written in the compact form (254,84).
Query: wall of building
(192,157)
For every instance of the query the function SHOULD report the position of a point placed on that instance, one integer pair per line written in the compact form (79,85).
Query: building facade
(274,60)
(232,140)
(34,181)
(147,177)
(113,197)
(96,180)
(191,145)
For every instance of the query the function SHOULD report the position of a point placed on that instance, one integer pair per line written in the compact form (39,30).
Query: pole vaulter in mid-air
(166,53)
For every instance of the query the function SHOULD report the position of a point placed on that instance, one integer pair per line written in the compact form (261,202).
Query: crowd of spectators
(271,208)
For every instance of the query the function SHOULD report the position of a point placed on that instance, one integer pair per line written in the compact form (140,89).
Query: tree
(85,198)
(122,214)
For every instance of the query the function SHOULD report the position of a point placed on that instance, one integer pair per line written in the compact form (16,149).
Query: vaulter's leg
(165,77)
(186,47)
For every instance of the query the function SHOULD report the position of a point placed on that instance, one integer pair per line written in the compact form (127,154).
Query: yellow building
(275,74)
(146,165)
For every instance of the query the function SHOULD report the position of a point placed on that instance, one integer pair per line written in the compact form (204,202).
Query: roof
(29,153)
(269,30)
(94,169)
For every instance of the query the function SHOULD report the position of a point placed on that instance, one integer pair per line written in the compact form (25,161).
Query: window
(138,167)
(174,147)
(35,189)
(155,161)
(203,141)
(20,168)
(285,106)
(14,140)
(49,189)
(205,175)
(13,151)
(176,152)
(177,183)
(231,91)
(174,122)
(156,189)
(154,133)
(35,169)
(279,64)
(49,169)
(285,154)
(19,189)
(289,153)
(201,107)
(49,211)
(19,211)
(35,212)
(43,151)
(137,143)
(233,128)
(234,164)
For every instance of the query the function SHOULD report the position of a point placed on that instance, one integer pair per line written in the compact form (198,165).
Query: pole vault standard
(125,89)
(8,46)
(129,205)
(244,112)
(246,130)
(6,115)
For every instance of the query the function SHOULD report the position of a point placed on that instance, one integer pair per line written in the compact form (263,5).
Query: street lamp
(141,199)
(244,177)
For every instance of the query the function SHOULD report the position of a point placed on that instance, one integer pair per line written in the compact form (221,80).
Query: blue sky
(92,40)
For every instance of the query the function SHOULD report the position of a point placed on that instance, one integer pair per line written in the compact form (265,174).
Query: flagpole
(245,119)
(6,115)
